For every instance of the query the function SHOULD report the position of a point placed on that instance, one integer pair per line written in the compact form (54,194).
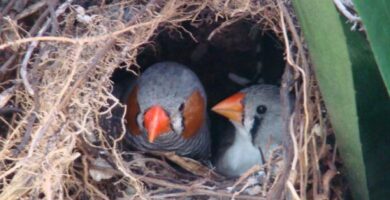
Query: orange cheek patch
(132,112)
(193,114)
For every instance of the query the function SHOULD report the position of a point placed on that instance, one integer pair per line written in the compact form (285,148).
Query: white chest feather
(239,157)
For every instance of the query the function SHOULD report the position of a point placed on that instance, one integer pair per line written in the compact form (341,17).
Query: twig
(47,121)
(27,135)
(296,37)
(237,194)
(293,171)
(119,161)
(162,163)
(194,191)
(30,10)
(244,176)
(296,67)
(6,95)
(327,178)
(6,9)
(33,45)
(99,55)
(130,27)
(292,155)
(306,91)
(192,166)
(190,190)
(222,26)
(86,182)
(290,61)
(7,110)
(266,181)
(41,39)
(5,67)
(294,194)
(38,22)
(10,171)
(51,4)
(92,65)
(86,40)
(278,188)
(345,12)
(169,195)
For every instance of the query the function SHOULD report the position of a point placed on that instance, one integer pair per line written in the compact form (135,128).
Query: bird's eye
(261,109)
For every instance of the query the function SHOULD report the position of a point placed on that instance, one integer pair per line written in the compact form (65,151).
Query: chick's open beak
(157,122)
(231,107)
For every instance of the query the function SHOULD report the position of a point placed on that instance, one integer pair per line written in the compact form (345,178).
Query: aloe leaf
(354,94)
(376,20)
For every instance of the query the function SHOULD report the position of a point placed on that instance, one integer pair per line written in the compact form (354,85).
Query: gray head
(255,110)
(167,99)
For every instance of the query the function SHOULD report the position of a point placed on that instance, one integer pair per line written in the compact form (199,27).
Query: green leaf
(354,94)
(375,15)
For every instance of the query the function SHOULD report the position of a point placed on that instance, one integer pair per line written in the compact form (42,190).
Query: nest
(56,88)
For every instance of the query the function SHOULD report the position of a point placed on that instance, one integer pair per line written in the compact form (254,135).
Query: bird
(166,111)
(255,113)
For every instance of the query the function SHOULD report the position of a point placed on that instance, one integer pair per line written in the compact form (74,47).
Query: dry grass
(58,73)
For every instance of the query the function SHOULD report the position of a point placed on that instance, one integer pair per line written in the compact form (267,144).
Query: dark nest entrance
(240,49)
(226,60)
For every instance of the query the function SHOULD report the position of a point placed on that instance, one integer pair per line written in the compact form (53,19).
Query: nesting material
(55,88)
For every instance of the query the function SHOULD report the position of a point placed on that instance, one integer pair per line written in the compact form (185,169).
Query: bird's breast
(239,157)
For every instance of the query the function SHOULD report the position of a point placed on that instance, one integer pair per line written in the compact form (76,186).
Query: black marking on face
(243,113)
(181,107)
(255,127)
(181,110)
(258,118)
(170,119)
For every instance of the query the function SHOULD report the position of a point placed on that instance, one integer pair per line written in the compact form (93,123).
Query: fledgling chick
(255,113)
(166,111)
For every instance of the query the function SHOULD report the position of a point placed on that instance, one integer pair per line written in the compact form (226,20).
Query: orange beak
(231,107)
(156,122)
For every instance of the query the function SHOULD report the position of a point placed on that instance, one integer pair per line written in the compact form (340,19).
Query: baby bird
(166,111)
(255,113)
